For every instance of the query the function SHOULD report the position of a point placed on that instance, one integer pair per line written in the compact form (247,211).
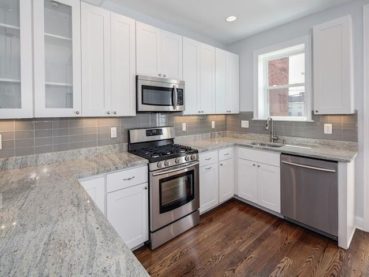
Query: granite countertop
(49,226)
(321,149)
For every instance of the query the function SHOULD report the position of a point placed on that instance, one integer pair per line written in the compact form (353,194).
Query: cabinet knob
(107,112)
(145,188)
(114,112)
(258,165)
(159,74)
(76,112)
(316,111)
(221,164)
(253,164)
(164,75)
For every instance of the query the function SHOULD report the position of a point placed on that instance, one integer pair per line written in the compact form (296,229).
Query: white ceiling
(207,17)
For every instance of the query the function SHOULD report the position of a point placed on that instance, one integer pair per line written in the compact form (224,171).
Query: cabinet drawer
(226,154)
(259,156)
(208,158)
(127,178)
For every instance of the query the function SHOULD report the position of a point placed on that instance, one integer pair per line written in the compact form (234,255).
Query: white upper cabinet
(159,53)
(16,89)
(57,58)
(333,67)
(108,63)
(207,79)
(191,76)
(199,77)
(95,60)
(227,82)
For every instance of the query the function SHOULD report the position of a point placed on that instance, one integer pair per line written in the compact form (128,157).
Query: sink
(263,144)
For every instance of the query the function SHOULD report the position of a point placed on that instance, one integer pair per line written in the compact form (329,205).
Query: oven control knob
(178,160)
(166,163)
(194,157)
(160,164)
(188,158)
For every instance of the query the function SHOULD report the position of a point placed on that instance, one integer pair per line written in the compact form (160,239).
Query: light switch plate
(184,126)
(213,124)
(328,129)
(113,132)
(245,124)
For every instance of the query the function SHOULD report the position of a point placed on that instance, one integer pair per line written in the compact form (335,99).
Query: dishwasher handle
(310,167)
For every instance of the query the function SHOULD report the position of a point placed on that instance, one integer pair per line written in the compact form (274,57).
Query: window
(283,77)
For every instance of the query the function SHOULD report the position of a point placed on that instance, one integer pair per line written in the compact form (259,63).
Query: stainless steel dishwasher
(309,193)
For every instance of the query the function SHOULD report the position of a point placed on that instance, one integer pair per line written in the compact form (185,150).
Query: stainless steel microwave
(159,94)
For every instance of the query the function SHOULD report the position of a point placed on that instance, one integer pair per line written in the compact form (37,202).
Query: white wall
(296,29)
(118,7)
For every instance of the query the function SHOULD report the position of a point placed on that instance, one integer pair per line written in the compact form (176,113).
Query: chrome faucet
(270,126)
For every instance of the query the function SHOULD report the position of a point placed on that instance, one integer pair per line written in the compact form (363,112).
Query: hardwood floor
(236,239)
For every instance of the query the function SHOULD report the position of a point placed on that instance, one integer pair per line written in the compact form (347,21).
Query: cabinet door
(221,82)
(170,57)
(248,180)
(127,211)
(16,92)
(333,67)
(269,188)
(233,84)
(57,58)
(95,60)
(209,194)
(147,49)
(191,76)
(123,66)
(226,180)
(96,189)
(207,79)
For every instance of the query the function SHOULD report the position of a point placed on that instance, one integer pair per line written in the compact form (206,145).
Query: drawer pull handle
(208,168)
(227,154)
(208,159)
(129,179)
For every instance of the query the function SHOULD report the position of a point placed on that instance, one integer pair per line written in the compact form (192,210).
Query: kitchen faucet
(270,126)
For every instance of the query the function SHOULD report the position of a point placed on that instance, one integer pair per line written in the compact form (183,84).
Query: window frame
(261,102)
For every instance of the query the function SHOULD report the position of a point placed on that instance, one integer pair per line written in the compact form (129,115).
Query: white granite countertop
(49,226)
(321,149)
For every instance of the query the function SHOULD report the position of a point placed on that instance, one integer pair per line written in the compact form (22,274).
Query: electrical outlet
(1,142)
(113,132)
(245,124)
(184,126)
(328,129)
(213,124)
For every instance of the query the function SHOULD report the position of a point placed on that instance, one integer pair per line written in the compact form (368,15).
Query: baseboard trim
(360,223)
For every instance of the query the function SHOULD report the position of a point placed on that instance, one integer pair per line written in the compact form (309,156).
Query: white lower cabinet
(123,198)
(209,195)
(95,188)
(127,211)
(247,180)
(259,181)
(269,188)
(226,180)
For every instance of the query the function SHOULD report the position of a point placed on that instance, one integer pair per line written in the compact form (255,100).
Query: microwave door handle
(175,97)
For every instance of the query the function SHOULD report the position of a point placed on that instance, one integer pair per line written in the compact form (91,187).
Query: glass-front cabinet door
(57,58)
(16,59)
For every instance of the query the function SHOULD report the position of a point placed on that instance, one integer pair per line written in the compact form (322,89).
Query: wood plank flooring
(237,239)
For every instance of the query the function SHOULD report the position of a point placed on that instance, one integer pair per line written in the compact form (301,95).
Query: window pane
(287,102)
(278,72)
(285,71)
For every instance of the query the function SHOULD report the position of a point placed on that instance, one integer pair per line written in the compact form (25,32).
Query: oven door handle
(175,170)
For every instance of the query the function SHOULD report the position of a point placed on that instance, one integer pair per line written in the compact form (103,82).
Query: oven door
(160,95)
(174,193)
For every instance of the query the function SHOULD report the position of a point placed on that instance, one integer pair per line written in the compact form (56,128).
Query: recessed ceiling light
(231,18)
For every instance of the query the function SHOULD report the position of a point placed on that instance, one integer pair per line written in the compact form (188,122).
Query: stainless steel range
(174,182)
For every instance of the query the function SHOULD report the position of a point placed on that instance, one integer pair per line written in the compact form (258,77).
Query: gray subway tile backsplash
(24,137)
